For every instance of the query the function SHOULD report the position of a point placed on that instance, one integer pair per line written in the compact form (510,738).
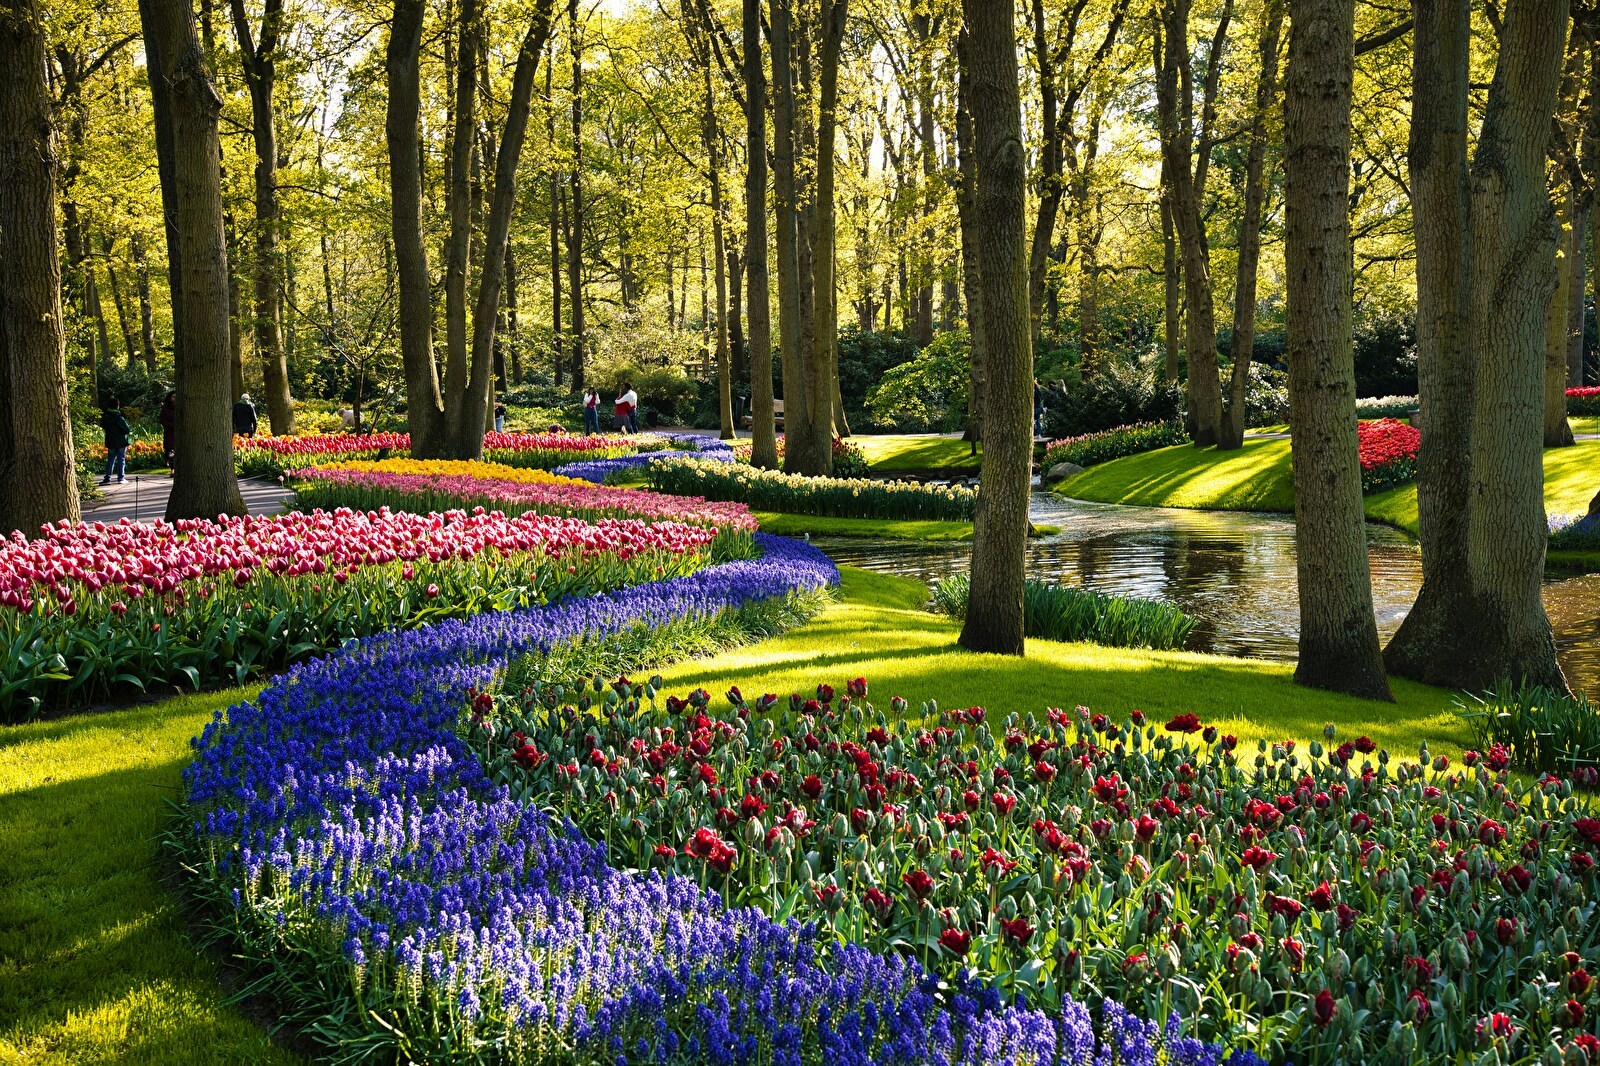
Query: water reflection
(1233,571)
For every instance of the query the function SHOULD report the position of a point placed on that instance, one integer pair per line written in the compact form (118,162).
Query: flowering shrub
(848,459)
(1065,612)
(773,490)
(602,470)
(432,485)
(89,610)
(442,912)
(1108,444)
(1388,450)
(1319,905)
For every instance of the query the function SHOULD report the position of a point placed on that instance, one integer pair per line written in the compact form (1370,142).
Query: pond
(1235,571)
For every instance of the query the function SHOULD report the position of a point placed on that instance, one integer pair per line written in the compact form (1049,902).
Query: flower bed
(90,610)
(1584,400)
(1090,448)
(408,901)
(600,471)
(1571,532)
(773,490)
(1315,905)
(271,456)
(434,485)
(1388,451)
(144,454)
(1371,407)
(848,458)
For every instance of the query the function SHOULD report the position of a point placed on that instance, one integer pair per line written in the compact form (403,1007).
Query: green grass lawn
(890,452)
(796,525)
(95,965)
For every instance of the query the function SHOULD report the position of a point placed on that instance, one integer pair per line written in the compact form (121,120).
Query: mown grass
(879,630)
(799,525)
(890,452)
(95,963)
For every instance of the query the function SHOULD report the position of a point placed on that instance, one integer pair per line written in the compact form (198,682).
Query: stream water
(1234,571)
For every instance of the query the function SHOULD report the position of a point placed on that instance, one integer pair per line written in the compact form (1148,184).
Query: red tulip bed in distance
(1388,450)
(271,456)
(1312,903)
(90,611)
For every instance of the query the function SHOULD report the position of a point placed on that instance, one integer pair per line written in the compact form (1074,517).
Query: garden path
(143,498)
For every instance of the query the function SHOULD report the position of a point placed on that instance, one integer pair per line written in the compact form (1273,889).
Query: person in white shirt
(591,410)
(631,398)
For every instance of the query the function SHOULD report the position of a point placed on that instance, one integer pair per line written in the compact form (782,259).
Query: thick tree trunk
(1513,260)
(786,216)
(763,448)
(424,405)
(820,404)
(1338,632)
(230,237)
(576,339)
(458,244)
(1574,265)
(203,482)
(38,482)
(994,612)
(1231,432)
(1429,645)
(1557,432)
(260,63)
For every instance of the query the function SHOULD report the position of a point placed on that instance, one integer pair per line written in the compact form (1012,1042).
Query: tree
(187,148)
(1339,646)
(258,56)
(998,203)
(38,483)
(763,449)
(971,241)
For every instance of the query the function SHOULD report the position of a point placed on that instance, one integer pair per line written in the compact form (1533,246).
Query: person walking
(115,425)
(631,398)
(169,428)
(619,410)
(499,418)
(244,417)
(591,410)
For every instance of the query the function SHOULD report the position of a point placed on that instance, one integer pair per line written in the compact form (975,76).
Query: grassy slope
(1257,478)
(94,962)
(880,632)
(795,525)
(890,452)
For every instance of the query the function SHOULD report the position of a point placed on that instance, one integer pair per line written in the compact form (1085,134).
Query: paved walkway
(143,498)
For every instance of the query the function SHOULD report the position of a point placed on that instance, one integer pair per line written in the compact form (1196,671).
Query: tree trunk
(511,318)
(1557,431)
(1086,231)
(476,409)
(1574,265)
(1513,262)
(203,482)
(994,611)
(235,309)
(971,242)
(1231,432)
(459,426)
(786,216)
(763,448)
(575,211)
(710,137)
(1172,278)
(1429,646)
(38,481)
(119,301)
(1338,632)
(424,405)
(147,321)
(825,306)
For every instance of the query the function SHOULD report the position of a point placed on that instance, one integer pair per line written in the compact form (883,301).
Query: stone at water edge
(1062,471)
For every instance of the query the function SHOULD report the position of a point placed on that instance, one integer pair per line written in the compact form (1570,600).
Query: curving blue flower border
(344,801)
(598,470)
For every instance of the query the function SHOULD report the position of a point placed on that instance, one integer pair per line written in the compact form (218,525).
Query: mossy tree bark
(764,449)
(998,204)
(38,483)
(1339,646)
(181,84)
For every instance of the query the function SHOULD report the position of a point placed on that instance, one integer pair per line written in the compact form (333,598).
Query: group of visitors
(114,425)
(624,412)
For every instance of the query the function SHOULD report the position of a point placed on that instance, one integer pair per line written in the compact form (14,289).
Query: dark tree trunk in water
(1429,644)
(259,60)
(1513,274)
(763,448)
(1231,433)
(424,405)
(1338,633)
(203,482)
(38,483)
(994,611)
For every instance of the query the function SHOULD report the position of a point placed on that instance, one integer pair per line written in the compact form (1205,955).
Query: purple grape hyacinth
(348,823)
(599,470)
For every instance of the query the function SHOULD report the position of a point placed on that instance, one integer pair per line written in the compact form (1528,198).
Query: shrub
(1388,453)
(929,393)
(92,611)
(1538,729)
(773,490)
(1105,445)
(1266,396)
(1385,352)
(1062,612)
(1123,391)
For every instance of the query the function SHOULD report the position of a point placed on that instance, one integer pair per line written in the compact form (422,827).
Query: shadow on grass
(1253,478)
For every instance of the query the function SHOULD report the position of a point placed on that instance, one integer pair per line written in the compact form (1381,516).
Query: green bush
(773,490)
(1090,448)
(1062,612)
(929,393)
(1124,390)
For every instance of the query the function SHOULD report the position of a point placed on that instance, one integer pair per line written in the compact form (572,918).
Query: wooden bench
(777,415)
